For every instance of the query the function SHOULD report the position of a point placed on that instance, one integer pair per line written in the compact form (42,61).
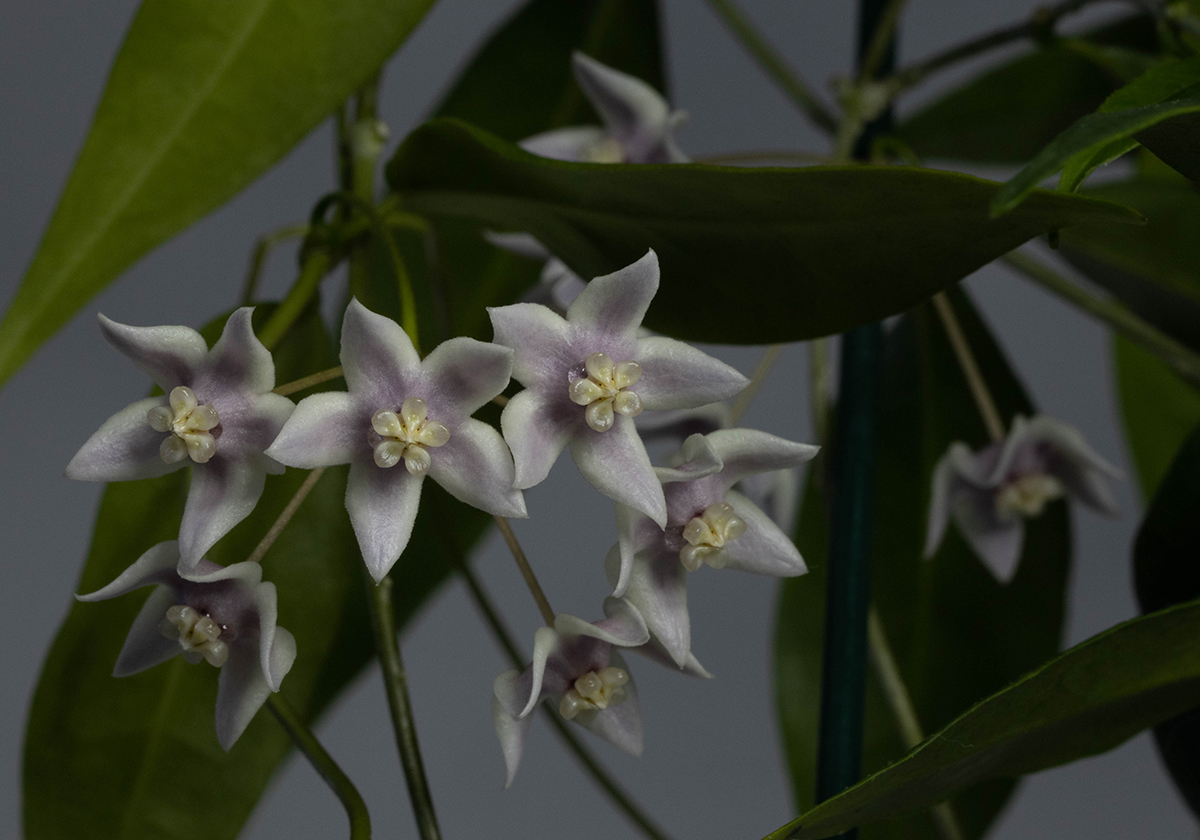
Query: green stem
(317,264)
(323,763)
(364,144)
(582,754)
(1182,360)
(387,648)
(881,40)
(259,257)
(776,68)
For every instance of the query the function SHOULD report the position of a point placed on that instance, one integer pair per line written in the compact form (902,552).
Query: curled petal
(468,373)
(224,491)
(623,626)
(124,448)
(238,360)
(616,464)
(512,731)
(614,305)
(476,467)
(537,431)
(997,543)
(375,350)
(545,642)
(522,244)
(383,507)
(634,113)
(156,565)
(763,549)
(1073,462)
(698,460)
(276,646)
(677,375)
(169,355)
(325,429)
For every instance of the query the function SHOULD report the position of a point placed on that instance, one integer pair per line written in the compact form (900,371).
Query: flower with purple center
(639,125)
(991,492)
(224,615)
(588,375)
(576,662)
(707,523)
(402,419)
(218,415)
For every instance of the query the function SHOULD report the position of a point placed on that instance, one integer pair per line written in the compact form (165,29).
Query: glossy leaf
(104,757)
(1087,700)
(748,255)
(1007,114)
(1154,268)
(1158,410)
(204,96)
(957,634)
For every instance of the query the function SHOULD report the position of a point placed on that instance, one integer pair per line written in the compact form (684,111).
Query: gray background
(711,767)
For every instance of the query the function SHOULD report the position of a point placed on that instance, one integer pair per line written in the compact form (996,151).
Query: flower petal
(658,589)
(614,305)
(616,464)
(698,460)
(545,642)
(124,448)
(156,565)
(241,690)
(1073,462)
(476,467)
(169,355)
(223,492)
(383,507)
(540,341)
(939,502)
(238,361)
(619,724)
(375,350)
(997,543)
(145,646)
(467,373)
(325,429)
(763,549)
(623,626)
(655,652)
(635,532)
(276,646)
(746,452)
(634,113)
(677,375)
(536,430)
(521,244)
(512,732)
(571,143)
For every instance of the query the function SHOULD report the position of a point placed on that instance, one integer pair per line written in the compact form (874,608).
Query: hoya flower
(589,374)
(217,414)
(707,523)
(991,492)
(405,418)
(224,616)
(638,127)
(575,661)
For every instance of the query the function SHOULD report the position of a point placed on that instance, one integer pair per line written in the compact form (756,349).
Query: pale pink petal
(623,626)
(1072,461)
(383,507)
(241,691)
(763,549)
(168,355)
(658,589)
(746,452)
(536,430)
(540,339)
(324,430)
(616,464)
(997,543)
(145,646)
(614,305)
(375,350)
(545,643)
(521,244)
(467,373)
(677,375)
(697,459)
(513,732)
(124,448)
(939,502)
(156,565)
(276,646)
(634,113)
(238,361)
(223,492)
(571,143)
(476,467)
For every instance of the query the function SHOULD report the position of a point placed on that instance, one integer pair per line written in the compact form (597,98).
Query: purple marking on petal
(467,374)
(375,350)
(223,492)
(634,113)
(616,464)
(614,305)
(383,507)
(124,448)
(621,723)
(658,590)
(476,467)
(676,375)
(238,361)
(168,355)
(997,543)
(145,646)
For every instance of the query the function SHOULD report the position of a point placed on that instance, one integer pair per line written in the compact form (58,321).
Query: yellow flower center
(707,535)
(603,391)
(190,425)
(408,435)
(594,690)
(1028,495)
(198,635)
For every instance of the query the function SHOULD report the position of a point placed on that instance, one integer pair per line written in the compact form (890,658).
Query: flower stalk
(966,361)
(285,517)
(531,581)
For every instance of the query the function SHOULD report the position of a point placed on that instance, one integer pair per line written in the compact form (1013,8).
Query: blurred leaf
(204,96)
(749,255)
(109,758)
(1155,268)
(1159,411)
(957,634)
(1165,572)
(1009,113)
(1087,700)
(519,84)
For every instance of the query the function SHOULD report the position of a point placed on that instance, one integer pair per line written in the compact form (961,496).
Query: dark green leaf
(1009,113)
(204,96)
(957,634)
(748,255)
(1154,268)
(104,757)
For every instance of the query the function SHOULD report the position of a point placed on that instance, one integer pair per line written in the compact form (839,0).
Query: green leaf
(1009,113)
(1165,573)
(1092,141)
(1159,411)
(1087,700)
(749,255)
(204,96)
(1154,269)
(957,634)
(104,757)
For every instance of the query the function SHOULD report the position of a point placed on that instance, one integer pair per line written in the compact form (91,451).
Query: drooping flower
(707,523)
(991,492)
(638,127)
(223,615)
(576,662)
(588,375)
(217,414)
(401,408)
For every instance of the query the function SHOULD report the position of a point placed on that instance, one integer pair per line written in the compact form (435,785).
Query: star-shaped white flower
(707,523)
(223,615)
(576,661)
(405,418)
(639,125)
(218,415)
(992,491)
(588,375)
